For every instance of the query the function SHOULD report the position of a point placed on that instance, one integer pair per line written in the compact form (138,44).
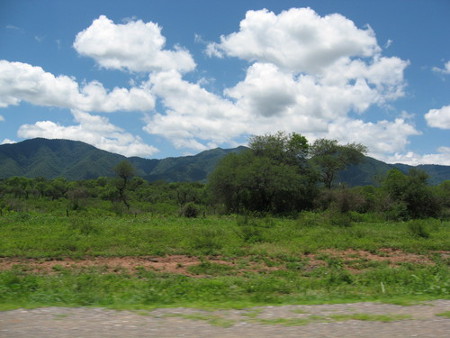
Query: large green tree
(329,157)
(272,176)
(410,194)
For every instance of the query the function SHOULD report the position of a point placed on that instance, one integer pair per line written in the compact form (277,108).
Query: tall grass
(43,235)
(149,289)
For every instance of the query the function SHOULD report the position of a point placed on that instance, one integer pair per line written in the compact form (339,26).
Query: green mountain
(371,172)
(77,160)
(55,158)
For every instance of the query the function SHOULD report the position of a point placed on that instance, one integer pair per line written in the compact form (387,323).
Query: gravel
(268,321)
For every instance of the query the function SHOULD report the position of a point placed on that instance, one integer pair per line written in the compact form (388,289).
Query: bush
(339,219)
(190,210)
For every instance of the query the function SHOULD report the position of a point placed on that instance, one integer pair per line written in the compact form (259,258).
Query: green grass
(444,314)
(286,321)
(44,235)
(279,243)
(333,318)
(370,317)
(150,289)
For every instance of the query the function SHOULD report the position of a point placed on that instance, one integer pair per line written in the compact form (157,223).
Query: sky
(164,78)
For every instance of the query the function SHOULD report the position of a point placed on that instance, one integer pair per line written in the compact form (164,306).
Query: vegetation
(75,160)
(266,229)
(329,157)
(272,176)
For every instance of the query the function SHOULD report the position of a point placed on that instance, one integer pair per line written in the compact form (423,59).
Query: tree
(329,158)
(412,192)
(272,176)
(125,171)
(290,149)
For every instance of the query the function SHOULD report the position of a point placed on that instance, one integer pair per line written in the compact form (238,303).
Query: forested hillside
(75,160)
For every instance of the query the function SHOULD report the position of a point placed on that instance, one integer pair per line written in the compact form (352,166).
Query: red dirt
(179,264)
(391,256)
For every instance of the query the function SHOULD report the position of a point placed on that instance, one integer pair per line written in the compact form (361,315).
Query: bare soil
(354,261)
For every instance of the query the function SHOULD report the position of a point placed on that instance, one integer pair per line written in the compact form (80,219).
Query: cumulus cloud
(445,70)
(298,40)
(194,118)
(2,118)
(382,137)
(265,91)
(441,157)
(197,119)
(439,118)
(135,46)
(308,74)
(23,82)
(92,129)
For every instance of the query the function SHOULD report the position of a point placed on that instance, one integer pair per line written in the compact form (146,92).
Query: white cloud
(439,118)
(445,70)
(309,73)
(92,129)
(2,118)
(266,91)
(266,101)
(12,27)
(7,141)
(193,115)
(388,43)
(442,157)
(298,40)
(23,82)
(135,46)
(382,137)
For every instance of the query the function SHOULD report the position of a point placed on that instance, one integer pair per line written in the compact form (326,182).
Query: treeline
(284,174)
(280,174)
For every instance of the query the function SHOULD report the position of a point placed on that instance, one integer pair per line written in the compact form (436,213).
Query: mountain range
(76,160)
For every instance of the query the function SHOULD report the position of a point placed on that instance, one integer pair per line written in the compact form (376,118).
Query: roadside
(427,319)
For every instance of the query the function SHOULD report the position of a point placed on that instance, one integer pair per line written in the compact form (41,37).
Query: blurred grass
(276,242)
(42,235)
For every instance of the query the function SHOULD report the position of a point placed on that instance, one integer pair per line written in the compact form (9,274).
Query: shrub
(190,210)
(340,219)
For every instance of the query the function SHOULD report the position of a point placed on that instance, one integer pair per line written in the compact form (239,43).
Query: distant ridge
(76,160)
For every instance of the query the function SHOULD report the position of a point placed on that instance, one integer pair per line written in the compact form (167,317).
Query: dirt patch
(354,261)
(171,264)
(178,264)
(391,256)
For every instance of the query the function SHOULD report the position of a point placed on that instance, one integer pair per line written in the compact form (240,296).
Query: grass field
(147,261)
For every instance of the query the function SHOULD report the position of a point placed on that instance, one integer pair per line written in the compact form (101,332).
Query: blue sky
(169,78)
